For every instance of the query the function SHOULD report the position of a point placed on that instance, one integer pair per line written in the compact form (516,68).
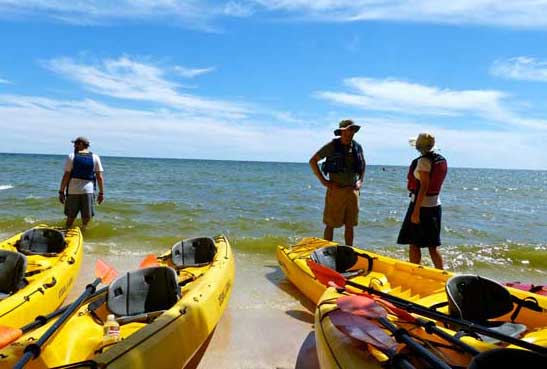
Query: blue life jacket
(336,162)
(83,166)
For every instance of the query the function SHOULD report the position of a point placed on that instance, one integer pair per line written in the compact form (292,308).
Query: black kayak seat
(197,251)
(479,299)
(340,258)
(508,358)
(143,291)
(12,272)
(41,241)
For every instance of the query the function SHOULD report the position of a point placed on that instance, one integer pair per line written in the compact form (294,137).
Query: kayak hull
(170,340)
(52,279)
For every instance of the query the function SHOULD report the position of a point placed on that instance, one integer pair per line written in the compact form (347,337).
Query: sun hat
(424,142)
(346,124)
(81,139)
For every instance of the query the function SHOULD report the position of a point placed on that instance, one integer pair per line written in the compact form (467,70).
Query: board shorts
(425,234)
(81,203)
(341,206)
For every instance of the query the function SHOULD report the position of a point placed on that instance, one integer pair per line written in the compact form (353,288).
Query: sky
(269,80)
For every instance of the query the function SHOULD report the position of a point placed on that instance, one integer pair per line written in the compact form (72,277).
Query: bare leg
(329,233)
(69,222)
(348,235)
(436,257)
(84,223)
(414,254)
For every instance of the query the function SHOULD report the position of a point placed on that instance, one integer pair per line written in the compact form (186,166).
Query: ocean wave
(5,187)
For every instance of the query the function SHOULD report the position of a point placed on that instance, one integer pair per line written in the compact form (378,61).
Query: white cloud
(521,68)
(393,95)
(201,14)
(191,72)
(522,13)
(129,132)
(125,78)
(4,81)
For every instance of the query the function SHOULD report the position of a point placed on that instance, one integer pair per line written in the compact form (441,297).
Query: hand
(415,217)
(100,198)
(61,197)
(358,184)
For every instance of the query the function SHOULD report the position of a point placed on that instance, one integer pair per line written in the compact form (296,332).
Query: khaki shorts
(341,206)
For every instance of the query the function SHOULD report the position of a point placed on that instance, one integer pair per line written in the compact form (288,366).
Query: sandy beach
(268,323)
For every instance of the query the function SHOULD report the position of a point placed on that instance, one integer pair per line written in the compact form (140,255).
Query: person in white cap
(422,224)
(82,171)
(345,170)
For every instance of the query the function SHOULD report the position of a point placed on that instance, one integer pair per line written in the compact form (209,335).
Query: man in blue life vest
(344,167)
(83,170)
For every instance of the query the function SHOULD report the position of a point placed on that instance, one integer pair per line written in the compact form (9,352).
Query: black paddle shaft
(415,308)
(401,335)
(33,350)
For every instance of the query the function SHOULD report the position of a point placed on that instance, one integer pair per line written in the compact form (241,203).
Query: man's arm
(361,176)
(63,187)
(100,183)
(314,164)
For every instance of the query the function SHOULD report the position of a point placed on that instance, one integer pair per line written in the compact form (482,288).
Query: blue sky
(269,80)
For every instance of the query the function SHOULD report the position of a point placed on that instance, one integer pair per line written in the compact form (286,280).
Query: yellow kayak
(166,311)
(37,270)
(436,290)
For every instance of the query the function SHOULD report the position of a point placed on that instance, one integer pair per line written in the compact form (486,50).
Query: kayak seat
(480,299)
(339,258)
(41,241)
(193,252)
(143,291)
(12,272)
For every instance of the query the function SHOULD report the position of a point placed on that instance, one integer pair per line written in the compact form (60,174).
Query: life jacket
(83,166)
(436,176)
(336,162)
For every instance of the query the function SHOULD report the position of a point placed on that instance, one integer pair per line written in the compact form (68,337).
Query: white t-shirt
(424,165)
(78,186)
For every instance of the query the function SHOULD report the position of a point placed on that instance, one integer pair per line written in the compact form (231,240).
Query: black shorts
(425,234)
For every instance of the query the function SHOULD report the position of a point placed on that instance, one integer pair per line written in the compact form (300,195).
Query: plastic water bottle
(111,330)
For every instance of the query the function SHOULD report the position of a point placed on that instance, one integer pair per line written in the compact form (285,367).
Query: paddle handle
(415,308)
(401,335)
(430,327)
(34,349)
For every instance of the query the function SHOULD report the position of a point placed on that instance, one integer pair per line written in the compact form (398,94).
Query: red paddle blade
(9,335)
(361,305)
(401,313)
(363,330)
(325,275)
(104,272)
(149,261)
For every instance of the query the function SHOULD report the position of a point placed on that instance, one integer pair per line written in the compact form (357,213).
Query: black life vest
(83,166)
(336,162)
(437,175)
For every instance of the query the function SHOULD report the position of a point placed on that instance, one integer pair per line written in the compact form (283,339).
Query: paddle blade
(149,261)
(361,305)
(400,313)
(9,335)
(362,329)
(104,272)
(325,275)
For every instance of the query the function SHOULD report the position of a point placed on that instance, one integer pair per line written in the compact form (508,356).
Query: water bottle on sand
(111,330)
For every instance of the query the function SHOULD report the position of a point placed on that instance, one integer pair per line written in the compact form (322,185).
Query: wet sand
(268,324)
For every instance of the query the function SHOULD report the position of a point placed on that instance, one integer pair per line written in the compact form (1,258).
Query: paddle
(325,275)
(149,261)
(364,307)
(362,304)
(104,274)
(9,334)
(365,331)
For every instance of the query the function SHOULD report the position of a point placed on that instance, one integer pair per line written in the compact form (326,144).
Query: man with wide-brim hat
(82,173)
(342,173)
